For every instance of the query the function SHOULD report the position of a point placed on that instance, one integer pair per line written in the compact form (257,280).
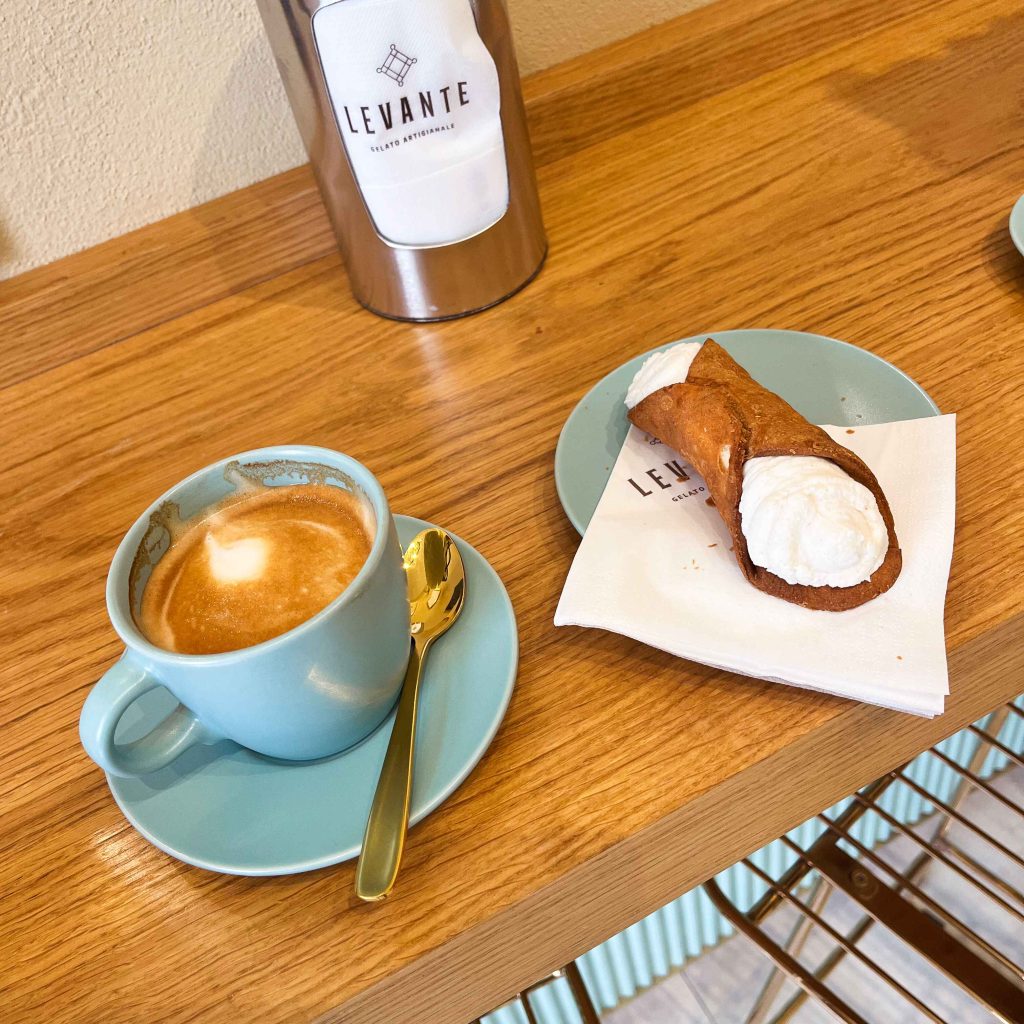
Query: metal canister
(413,118)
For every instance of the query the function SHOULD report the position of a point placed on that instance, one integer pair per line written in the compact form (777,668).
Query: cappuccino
(253,567)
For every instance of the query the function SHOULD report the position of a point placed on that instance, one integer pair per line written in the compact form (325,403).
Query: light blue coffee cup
(313,691)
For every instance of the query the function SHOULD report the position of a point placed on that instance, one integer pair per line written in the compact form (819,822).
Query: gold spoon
(436,582)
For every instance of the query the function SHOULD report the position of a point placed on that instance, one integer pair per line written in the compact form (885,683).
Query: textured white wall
(115,113)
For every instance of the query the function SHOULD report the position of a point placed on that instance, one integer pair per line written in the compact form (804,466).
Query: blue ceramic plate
(225,808)
(1017,225)
(828,381)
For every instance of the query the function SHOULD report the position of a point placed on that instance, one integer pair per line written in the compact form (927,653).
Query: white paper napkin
(656,566)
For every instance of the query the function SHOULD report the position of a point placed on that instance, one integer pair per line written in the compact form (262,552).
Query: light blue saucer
(1017,225)
(225,808)
(827,381)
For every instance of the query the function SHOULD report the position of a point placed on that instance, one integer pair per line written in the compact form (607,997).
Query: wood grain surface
(839,167)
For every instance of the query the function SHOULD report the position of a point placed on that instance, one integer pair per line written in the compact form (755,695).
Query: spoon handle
(389,816)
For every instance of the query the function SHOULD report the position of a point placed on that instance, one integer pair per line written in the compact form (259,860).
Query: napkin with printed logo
(655,564)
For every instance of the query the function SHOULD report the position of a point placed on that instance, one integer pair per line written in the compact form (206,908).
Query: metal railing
(909,900)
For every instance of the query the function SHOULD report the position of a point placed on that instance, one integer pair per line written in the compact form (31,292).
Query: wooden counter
(840,167)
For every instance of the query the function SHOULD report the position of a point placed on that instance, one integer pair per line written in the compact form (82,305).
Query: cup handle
(121,685)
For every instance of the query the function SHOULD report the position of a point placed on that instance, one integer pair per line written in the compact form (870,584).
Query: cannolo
(808,520)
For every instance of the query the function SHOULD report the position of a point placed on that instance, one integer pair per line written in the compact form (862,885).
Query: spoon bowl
(436,582)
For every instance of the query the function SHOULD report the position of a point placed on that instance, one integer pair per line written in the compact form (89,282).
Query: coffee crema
(250,568)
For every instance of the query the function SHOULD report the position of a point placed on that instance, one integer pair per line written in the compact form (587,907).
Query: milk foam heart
(236,561)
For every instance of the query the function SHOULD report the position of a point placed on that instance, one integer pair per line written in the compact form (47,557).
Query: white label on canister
(418,105)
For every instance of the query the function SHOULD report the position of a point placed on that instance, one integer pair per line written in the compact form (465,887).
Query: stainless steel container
(433,281)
